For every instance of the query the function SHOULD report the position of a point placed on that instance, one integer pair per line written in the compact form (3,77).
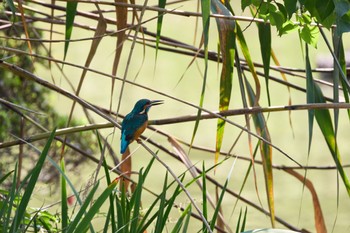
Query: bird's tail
(125,168)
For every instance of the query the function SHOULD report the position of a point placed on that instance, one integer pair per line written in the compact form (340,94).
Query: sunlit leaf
(310,35)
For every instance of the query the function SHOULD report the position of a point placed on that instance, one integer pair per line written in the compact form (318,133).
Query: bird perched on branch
(136,122)
(133,126)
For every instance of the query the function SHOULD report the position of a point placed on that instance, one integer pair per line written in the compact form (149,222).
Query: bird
(136,122)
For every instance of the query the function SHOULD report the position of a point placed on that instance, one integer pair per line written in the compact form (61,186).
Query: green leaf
(64,204)
(287,27)
(342,10)
(310,95)
(204,197)
(218,205)
(339,52)
(70,15)
(246,54)
(266,152)
(265,48)
(310,35)
(245,3)
(291,7)
(12,7)
(161,4)
(177,227)
(205,22)
(277,19)
(324,9)
(227,37)
(72,226)
(324,120)
(21,210)
(85,222)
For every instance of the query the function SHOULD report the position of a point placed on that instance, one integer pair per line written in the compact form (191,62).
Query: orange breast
(140,130)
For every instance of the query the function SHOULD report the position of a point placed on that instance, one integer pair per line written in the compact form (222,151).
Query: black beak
(156,102)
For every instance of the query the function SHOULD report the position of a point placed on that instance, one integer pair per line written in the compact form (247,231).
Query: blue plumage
(135,122)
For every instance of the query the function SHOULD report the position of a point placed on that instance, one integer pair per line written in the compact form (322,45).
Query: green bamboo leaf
(205,22)
(70,15)
(339,52)
(265,48)
(266,153)
(161,4)
(85,222)
(64,204)
(21,210)
(227,37)
(323,118)
(310,95)
(246,54)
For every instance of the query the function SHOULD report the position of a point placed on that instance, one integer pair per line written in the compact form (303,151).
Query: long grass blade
(246,54)
(110,219)
(205,5)
(72,226)
(310,94)
(266,153)
(6,209)
(161,4)
(227,37)
(324,120)
(31,184)
(218,206)
(85,222)
(340,54)
(265,48)
(64,204)
(181,219)
(204,197)
(71,10)
(161,217)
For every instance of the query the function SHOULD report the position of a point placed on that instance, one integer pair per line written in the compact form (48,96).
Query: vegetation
(37,63)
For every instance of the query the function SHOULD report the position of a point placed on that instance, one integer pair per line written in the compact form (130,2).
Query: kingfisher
(136,122)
